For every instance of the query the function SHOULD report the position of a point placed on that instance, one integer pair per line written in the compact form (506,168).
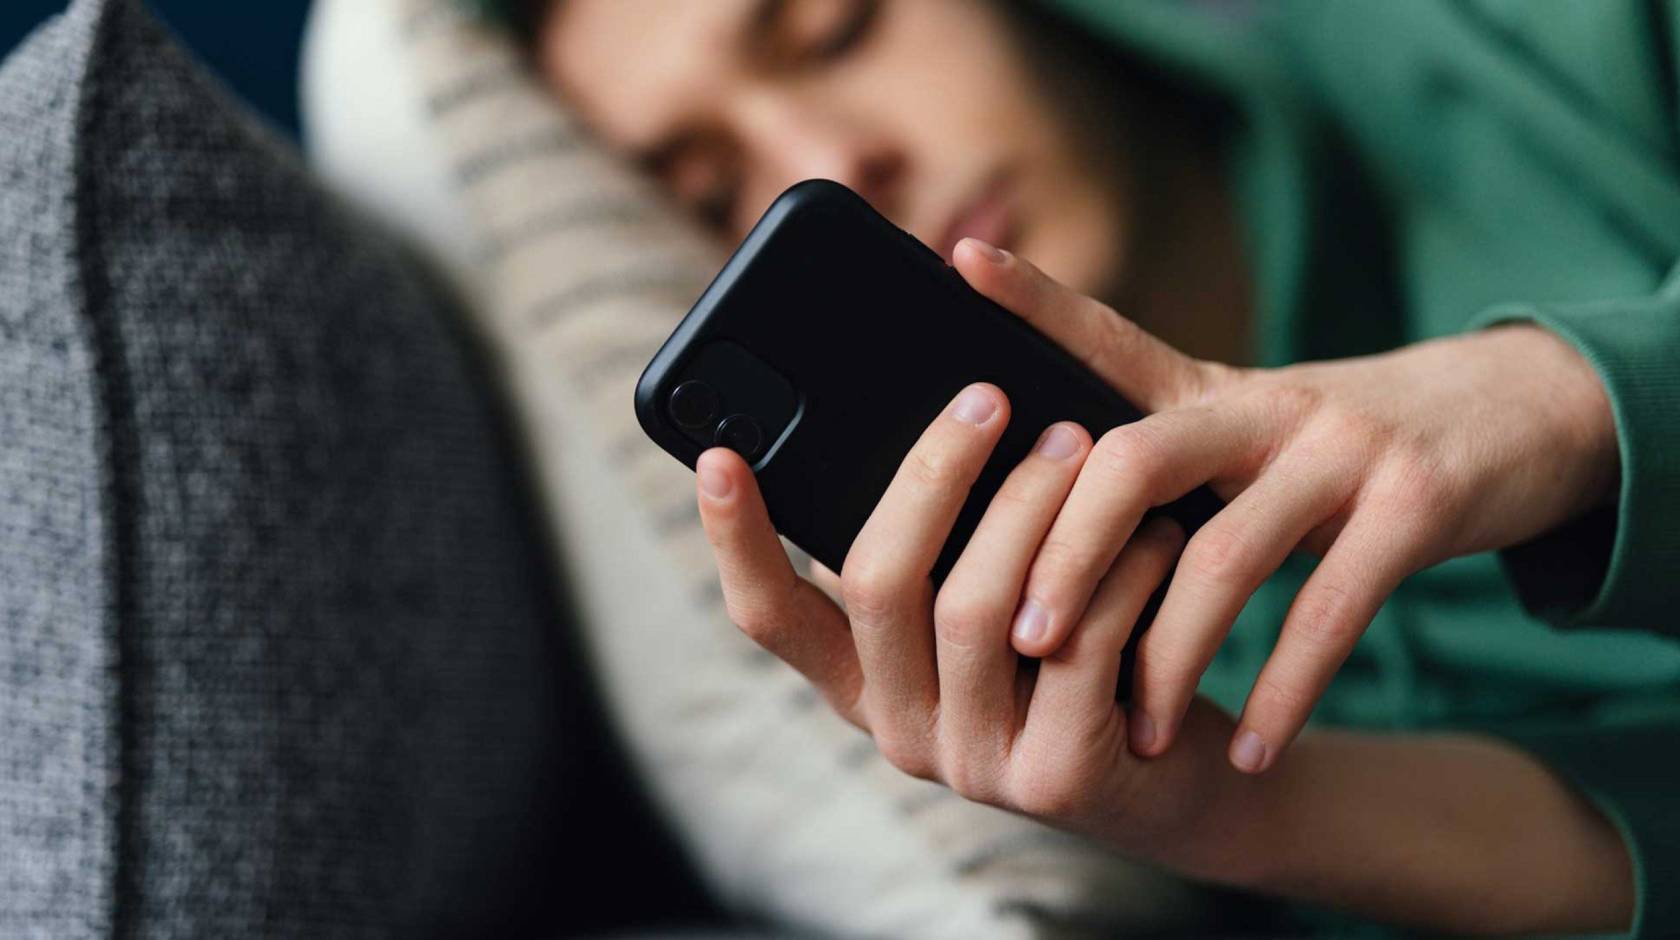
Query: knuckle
(1019,492)
(1219,554)
(932,468)
(907,754)
(1131,454)
(1049,793)
(1105,325)
(761,620)
(1291,399)
(1342,426)
(1282,698)
(1322,617)
(1210,378)
(753,621)
(963,618)
(1113,334)
(1418,486)
(870,592)
(1059,567)
(1113,323)
(1057,556)
(1056,780)
(971,777)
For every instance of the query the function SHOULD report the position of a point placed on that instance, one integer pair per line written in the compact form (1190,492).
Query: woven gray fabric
(275,654)
(58,736)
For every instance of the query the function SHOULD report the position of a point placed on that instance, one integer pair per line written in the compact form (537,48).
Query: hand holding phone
(823,350)
(929,669)
(1373,463)
(1382,465)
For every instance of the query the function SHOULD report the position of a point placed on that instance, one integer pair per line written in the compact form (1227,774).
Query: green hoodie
(1412,169)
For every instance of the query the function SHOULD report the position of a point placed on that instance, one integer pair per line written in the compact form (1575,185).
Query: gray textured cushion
(274,655)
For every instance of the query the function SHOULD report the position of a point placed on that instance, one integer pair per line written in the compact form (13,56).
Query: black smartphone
(826,346)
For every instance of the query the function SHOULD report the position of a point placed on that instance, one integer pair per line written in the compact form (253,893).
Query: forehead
(632,66)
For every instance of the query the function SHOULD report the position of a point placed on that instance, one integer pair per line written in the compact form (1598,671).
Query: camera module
(694,405)
(741,434)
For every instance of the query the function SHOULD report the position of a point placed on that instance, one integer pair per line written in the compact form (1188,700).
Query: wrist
(1237,831)
(1575,403)
(1263,831)
(1444,832)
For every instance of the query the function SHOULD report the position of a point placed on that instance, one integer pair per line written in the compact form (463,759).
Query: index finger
(1149,373)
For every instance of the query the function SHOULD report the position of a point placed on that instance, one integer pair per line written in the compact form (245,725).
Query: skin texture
(1382,466)
(1468,834)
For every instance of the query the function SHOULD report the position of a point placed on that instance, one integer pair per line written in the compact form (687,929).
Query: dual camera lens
(695,406)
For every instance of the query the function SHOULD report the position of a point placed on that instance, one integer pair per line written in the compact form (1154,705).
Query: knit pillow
(274,651)
(581,270)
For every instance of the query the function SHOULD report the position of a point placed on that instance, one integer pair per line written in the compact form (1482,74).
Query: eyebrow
(752,34)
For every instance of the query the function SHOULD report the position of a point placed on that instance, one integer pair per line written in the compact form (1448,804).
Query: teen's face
(933,110)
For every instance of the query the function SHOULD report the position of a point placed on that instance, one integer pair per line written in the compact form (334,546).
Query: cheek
(948,77)
(982,104)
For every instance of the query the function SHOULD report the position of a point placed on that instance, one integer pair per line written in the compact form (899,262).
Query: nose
(787,140)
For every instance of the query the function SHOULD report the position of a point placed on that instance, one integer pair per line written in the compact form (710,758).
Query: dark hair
(523,18)
(528,17)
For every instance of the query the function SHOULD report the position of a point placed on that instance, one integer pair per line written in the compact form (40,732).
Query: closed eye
(847,33)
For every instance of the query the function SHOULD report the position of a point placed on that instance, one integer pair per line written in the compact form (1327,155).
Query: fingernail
(1031,623)
(1058,443)
(989,251)
(1248,752)
(1142,731)
(714,482)
(975,406)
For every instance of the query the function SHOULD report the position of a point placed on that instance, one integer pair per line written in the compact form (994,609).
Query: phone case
(875,334)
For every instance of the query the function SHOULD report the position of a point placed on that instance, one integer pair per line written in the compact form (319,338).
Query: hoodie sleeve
(1626,765)
(1619,566)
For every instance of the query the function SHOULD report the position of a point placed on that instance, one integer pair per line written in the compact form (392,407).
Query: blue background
(252,44)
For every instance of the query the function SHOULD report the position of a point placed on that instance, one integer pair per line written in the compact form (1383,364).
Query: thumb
(1148,372)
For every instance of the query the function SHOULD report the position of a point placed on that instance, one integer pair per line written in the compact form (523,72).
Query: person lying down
(1396,280)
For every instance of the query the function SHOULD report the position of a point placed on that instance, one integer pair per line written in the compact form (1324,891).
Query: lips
(988,216)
